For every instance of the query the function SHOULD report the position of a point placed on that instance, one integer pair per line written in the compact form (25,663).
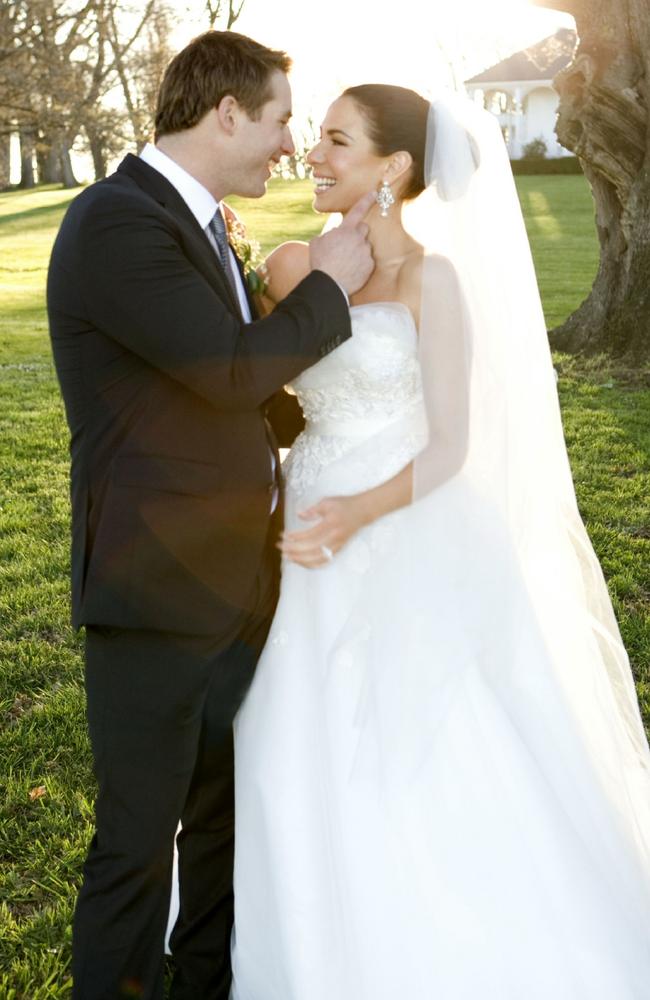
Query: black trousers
(160,712)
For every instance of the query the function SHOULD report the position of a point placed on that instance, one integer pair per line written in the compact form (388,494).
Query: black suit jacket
(165,390)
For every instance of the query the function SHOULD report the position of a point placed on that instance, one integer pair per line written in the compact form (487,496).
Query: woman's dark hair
(396,119)
(213,65)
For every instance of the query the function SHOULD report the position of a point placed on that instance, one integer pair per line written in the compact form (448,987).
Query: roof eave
(510,83)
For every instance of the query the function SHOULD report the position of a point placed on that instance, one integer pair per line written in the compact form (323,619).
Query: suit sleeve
(140,289)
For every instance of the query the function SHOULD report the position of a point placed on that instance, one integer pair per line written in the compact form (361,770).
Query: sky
(338,43)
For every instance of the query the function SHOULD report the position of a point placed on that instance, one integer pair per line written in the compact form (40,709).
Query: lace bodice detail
(369,389)
(376,373)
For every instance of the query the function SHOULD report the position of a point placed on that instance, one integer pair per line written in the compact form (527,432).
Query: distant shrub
(536,149)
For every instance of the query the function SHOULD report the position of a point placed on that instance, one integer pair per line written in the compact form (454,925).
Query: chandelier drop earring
(385,198)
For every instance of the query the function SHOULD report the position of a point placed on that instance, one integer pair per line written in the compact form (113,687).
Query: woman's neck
(396,276)
(390,242)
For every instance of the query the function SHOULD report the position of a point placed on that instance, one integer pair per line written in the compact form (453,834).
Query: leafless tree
(41,81)
(137,53)
(79,71)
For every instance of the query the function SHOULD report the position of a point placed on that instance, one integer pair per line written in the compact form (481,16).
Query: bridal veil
(508,588)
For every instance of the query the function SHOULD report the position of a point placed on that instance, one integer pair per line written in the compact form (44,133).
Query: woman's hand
(338,519)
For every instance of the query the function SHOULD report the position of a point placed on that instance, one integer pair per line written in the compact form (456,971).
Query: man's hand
(344,253)
(339,518)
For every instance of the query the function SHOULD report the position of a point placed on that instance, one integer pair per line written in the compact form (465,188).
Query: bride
(442,779)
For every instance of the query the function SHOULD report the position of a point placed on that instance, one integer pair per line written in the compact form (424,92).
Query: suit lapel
(196,243)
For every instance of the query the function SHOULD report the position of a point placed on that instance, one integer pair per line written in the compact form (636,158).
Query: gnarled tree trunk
(604,117)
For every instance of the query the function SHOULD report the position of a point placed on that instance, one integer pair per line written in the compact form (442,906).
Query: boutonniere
(249,253)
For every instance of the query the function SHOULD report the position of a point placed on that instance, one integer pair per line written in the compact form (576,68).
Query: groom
(167,376)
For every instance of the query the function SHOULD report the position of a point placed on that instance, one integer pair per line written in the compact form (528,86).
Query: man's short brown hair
(213,65)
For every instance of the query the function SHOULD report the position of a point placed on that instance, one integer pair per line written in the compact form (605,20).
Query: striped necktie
(218,229)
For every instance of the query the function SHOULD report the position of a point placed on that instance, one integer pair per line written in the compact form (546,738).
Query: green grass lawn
(46,785)
(559,213)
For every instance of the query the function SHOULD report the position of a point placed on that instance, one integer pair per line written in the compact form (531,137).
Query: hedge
(560,165)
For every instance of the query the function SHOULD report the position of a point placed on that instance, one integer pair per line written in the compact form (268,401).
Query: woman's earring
(385,198)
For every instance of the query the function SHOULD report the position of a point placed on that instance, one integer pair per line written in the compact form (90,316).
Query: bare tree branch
(213,10)
(234,11)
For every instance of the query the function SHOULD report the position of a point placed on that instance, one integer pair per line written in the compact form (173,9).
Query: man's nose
(288,146)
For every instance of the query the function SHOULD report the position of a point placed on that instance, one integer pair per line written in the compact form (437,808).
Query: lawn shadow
(19,194)
(43,216)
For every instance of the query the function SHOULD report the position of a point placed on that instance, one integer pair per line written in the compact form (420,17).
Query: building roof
(539,62)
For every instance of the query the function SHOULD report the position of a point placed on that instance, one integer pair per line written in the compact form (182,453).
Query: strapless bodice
(368,389)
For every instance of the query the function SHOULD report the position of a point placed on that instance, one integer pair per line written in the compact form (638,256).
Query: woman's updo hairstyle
(396,119)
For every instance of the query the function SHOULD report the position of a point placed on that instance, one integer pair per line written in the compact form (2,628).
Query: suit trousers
(160,712)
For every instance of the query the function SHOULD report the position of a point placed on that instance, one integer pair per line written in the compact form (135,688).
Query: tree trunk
(604,117)
(49,161)
(5,157)
(27,175)
(98,153)
(68,177)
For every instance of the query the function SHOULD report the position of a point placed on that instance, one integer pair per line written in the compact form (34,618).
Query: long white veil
(508,587)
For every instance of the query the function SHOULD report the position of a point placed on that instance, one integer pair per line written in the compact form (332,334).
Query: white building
(520,92)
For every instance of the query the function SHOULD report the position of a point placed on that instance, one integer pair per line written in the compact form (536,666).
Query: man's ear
(228,112)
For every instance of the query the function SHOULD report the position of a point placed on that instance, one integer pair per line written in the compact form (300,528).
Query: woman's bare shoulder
(432,268)
(287,265)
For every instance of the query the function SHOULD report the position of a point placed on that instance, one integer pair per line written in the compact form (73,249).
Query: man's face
(261,143)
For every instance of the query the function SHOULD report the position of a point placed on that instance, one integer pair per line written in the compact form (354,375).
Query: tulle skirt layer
(426,808)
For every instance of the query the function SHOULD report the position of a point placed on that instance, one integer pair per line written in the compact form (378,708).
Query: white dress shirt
(202,205)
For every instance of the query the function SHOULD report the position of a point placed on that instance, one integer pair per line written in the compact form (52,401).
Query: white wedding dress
(489,867)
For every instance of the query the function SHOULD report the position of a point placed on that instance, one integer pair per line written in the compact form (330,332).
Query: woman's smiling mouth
(322,183)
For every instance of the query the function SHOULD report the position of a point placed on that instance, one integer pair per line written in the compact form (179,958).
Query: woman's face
(344,164)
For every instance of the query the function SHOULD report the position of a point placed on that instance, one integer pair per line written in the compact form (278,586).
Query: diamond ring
(327,552)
